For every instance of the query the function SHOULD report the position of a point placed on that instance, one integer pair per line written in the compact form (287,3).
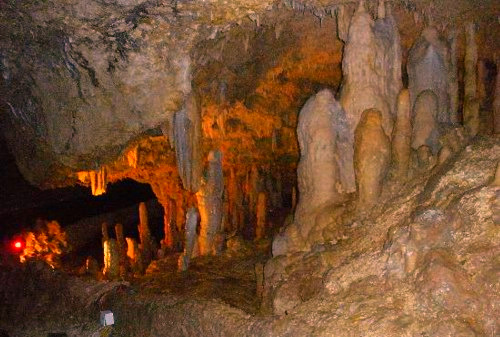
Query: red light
(18,244)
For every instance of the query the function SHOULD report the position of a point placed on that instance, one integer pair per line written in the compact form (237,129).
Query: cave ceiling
(93,84)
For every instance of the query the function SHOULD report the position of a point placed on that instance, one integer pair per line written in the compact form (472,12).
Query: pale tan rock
(401,137)
(425,125)
(325,166)
(371,67)
(372,154)
(425,159)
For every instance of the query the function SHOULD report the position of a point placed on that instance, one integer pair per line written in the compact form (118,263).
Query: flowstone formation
(371,66)
(324,171)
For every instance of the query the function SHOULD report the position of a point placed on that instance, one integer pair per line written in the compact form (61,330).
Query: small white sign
(107,318)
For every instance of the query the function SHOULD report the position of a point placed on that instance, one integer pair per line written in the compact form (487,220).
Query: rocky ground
(425,263)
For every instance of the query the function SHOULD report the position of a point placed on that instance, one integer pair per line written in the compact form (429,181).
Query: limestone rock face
(372,155)
(325,171)
(425,122)
(371,67)
(430,67)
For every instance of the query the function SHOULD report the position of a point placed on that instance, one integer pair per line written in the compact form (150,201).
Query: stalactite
(471,102)
(122,248)
(401,137)
(167,129)
(146,246)
(343,22)
(133,156)
(372,151)
(190,240)
(261,216)
(134,255)
(180,214)
(111,259)
(210,203)
(187,135)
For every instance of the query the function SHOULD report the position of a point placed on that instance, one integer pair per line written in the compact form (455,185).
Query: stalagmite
(430,67)
(105,233)
(471,102)
(210,203)
(425,124)
(260,229)
(169,225)
(371,67)
(372,152)
(453,78)
(324,168)
(426,160)
(146,246)
(294,198)
(111,259)
(134,255)
(496,102)
(122,248)
(191,239)
(470,62)
(187,135)
(401,137)
(234,200)
(444,154)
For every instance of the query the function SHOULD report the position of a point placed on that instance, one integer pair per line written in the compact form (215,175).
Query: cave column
(210,204)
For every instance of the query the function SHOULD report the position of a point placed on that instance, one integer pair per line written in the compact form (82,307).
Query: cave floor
(229,278)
